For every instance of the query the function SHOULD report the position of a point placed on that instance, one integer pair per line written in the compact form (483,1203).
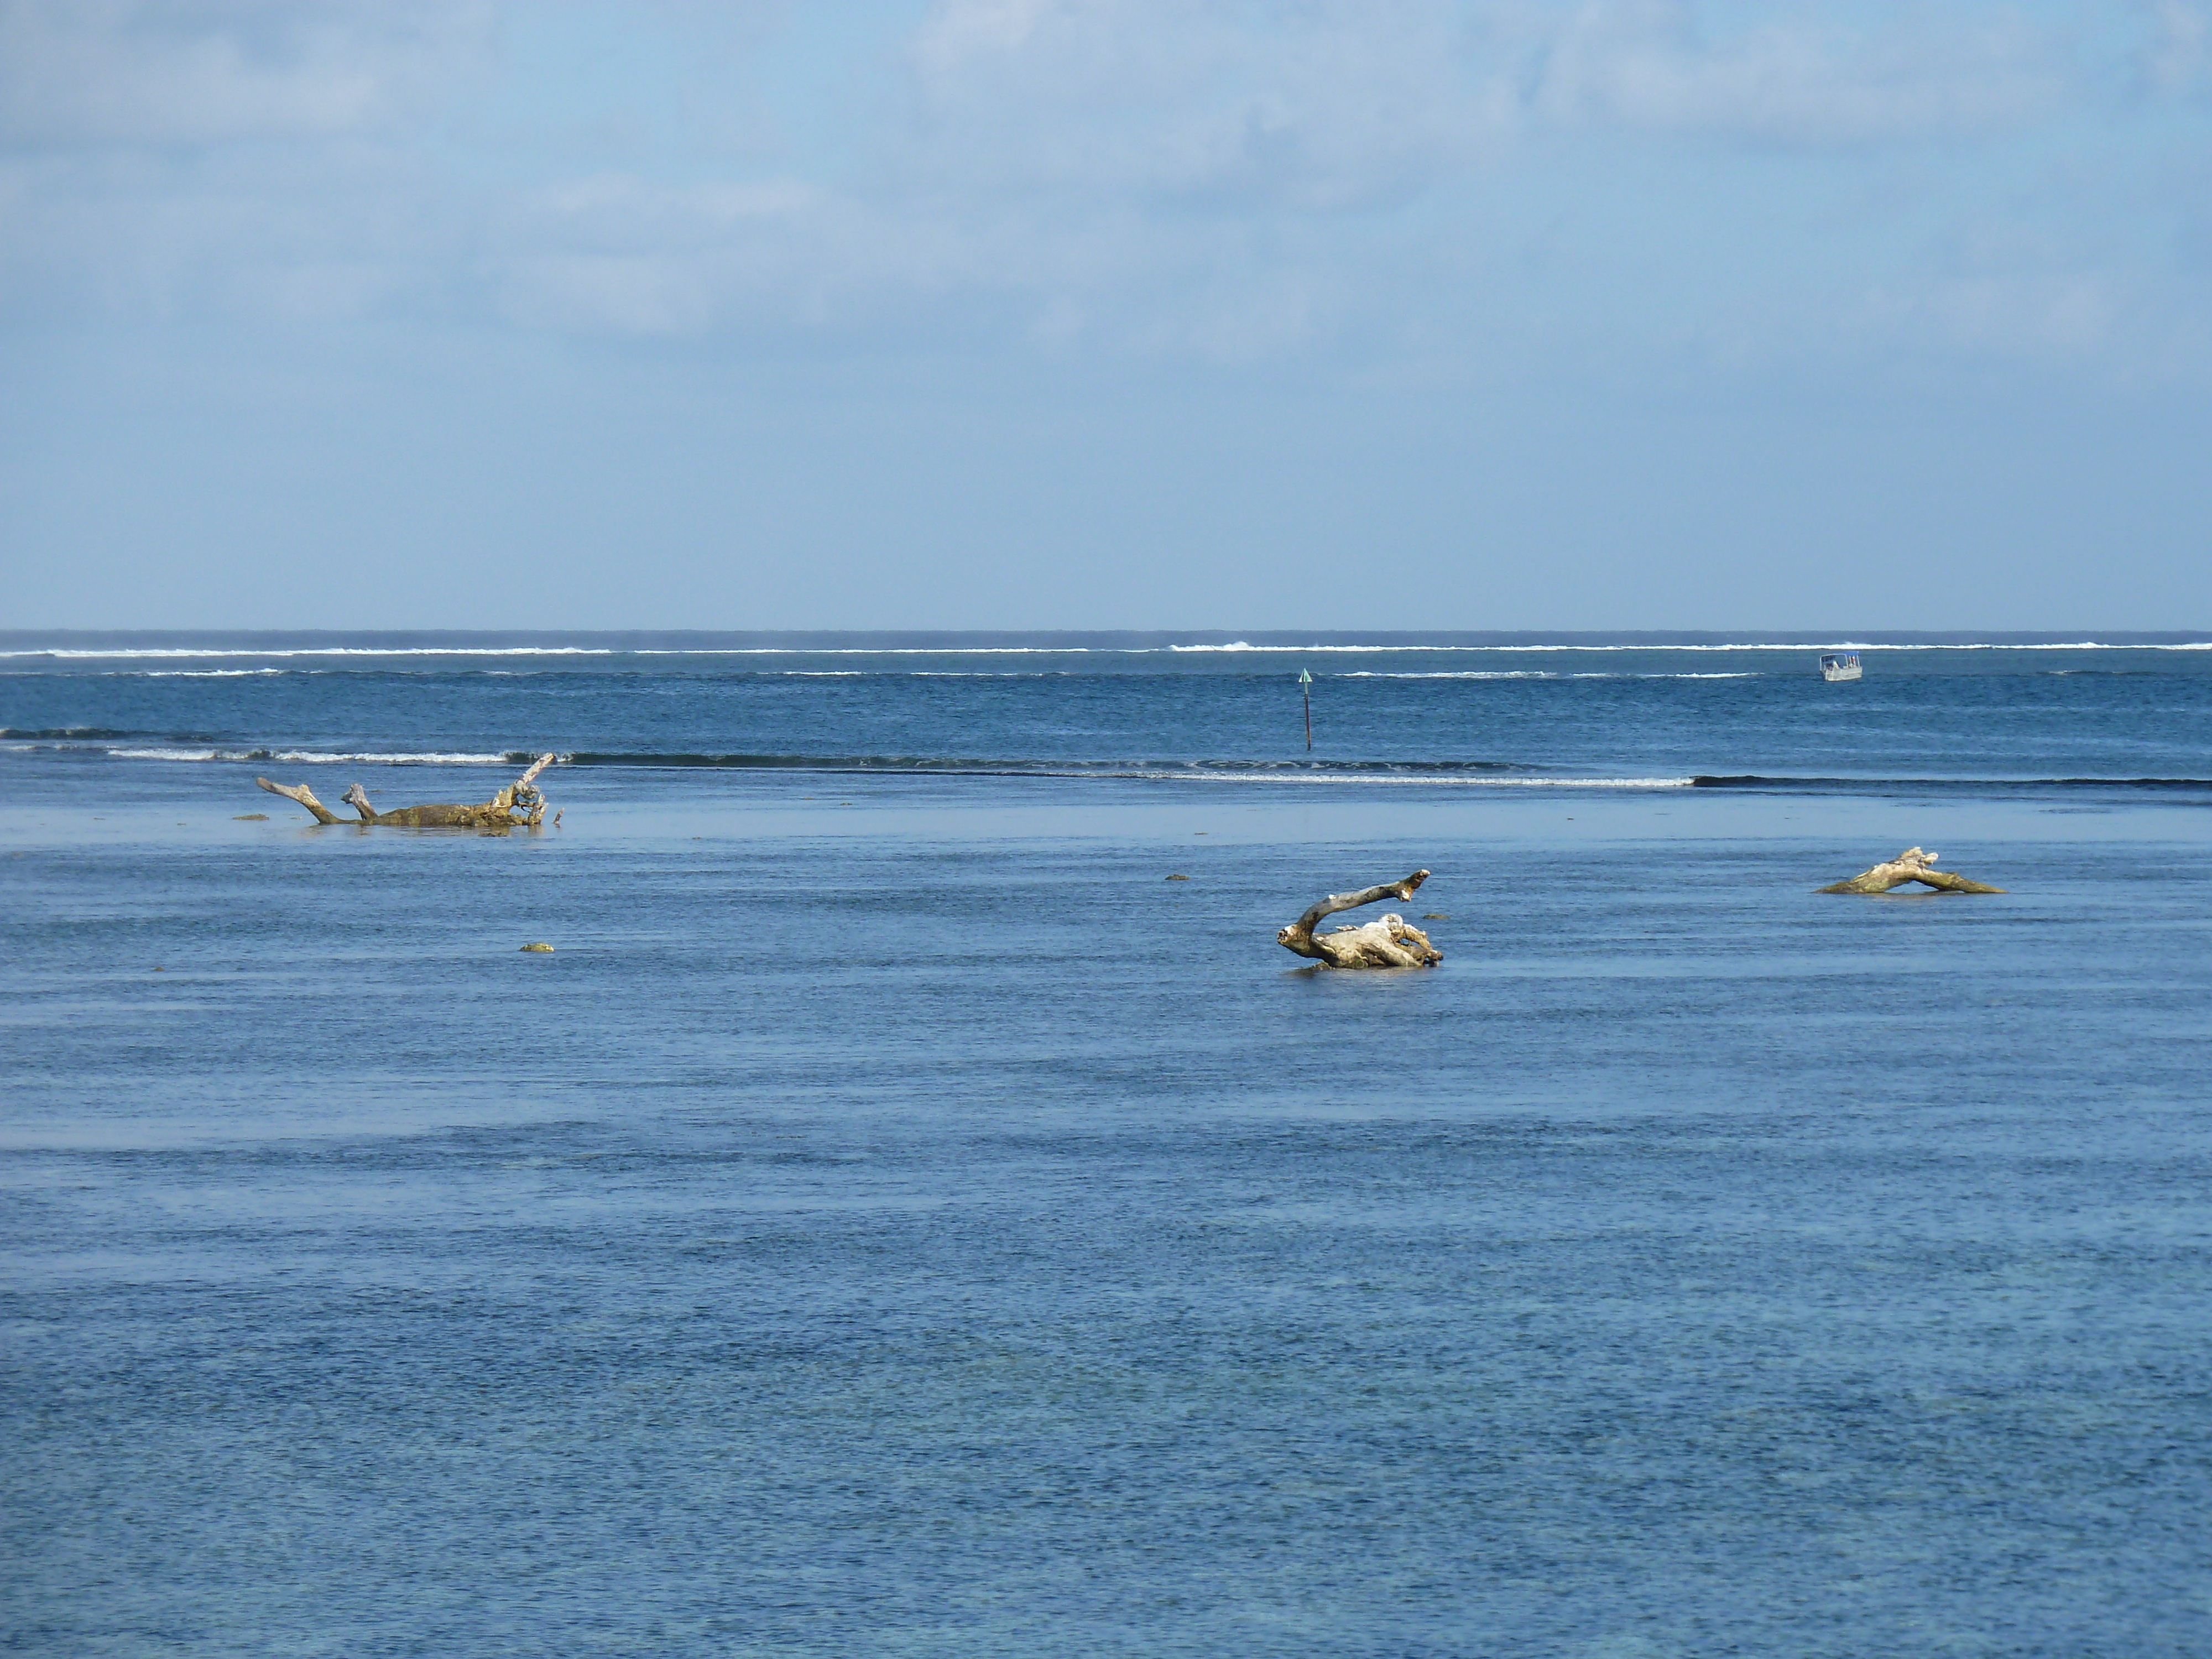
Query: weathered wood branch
(518,805)
(1910,865)
(305,796)
(1388,943)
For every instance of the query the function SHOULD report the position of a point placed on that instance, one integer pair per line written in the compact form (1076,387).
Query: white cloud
(2179,56)
(75,72)
(1799,78)
(2012,314)
(1201,179)
(1322,106)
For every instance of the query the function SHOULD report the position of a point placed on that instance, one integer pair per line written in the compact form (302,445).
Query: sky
(1106,313)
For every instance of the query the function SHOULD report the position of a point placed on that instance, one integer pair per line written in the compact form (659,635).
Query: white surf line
(308,756)
(187,653)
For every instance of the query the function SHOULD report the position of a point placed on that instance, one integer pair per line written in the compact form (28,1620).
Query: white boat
(1840,665)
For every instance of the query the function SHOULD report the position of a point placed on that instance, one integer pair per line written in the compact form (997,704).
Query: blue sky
(1123,313)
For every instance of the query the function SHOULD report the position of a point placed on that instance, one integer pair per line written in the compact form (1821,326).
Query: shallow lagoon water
(915,1226)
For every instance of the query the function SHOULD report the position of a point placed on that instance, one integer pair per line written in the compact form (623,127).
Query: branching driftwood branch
(1389,943)
(518,803)
(1910,865)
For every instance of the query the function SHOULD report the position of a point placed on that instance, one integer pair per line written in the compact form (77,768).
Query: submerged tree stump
(1910,865)
(519,805)
(1389,943)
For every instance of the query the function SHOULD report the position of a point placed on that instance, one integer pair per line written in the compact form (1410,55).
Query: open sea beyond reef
(896,1218)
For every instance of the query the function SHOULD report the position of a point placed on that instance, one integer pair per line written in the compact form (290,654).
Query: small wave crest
(1438,772)
(184,653)
(1527,674)
(1494,647)
(313,757)
(1834,785)
(1044,767)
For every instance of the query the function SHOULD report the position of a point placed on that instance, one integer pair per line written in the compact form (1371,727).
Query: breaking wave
(1527,674)
(94,742)
(1048,768)
(313,757)
(1965,786)
(181,653)
(1491,646)
(1490,774)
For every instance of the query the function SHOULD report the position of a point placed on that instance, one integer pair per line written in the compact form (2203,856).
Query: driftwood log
(1388,943)
(1910,865)
(519,805)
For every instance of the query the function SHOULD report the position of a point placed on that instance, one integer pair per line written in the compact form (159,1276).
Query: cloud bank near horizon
(1150,179)
(1106,313)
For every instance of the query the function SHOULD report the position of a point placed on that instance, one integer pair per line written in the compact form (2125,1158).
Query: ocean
(897,1219)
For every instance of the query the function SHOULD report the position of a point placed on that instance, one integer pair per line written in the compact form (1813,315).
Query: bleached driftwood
(519,805)
(1910,865)
(1389,943)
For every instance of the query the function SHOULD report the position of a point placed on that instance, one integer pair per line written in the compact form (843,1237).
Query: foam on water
(308,756)
(72,653)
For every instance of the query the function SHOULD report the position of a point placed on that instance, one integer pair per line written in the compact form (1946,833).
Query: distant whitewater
(147,646)
(1939,714)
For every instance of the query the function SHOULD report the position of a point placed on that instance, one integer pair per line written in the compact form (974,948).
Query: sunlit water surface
(898,1219)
